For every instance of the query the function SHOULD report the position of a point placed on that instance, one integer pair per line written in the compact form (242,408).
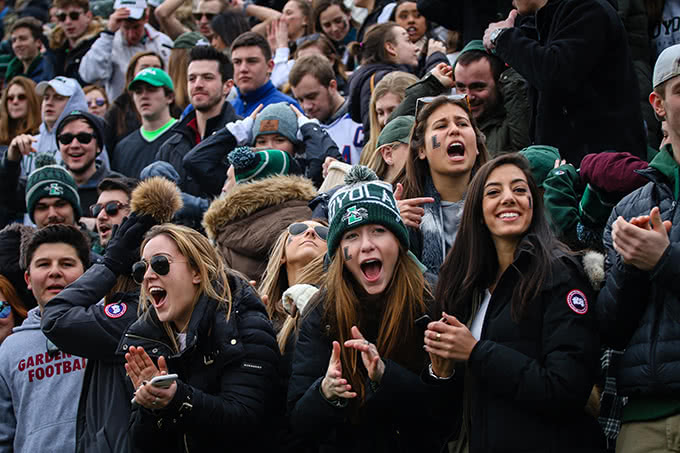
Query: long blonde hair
(203,258)
(395,83)
(404,301)
(177,70)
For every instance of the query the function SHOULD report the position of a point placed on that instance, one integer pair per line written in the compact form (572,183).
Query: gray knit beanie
(276,118)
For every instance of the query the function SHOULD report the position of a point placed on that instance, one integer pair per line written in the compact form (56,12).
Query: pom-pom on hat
(251,165)
(364,200)
(51,180)
(276,118)
(157,197)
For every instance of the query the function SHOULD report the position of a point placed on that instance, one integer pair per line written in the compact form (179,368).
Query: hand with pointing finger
(410,209)
(21,145)
(369,355)
(333,385)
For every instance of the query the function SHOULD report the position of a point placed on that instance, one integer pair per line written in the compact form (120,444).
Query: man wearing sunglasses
(128,33)
(74,34)
(167,17)
(39,383)
(112,206)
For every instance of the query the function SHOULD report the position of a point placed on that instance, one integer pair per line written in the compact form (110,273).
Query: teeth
(508,215)
(156,290)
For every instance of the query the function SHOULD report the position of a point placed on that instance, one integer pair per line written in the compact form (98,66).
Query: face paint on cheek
(347,255)
(435,143)
(531,203)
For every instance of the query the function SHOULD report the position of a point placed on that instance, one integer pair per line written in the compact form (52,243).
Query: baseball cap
(667,65)
(64,86)
(153,76)
(397,130)
(136,7)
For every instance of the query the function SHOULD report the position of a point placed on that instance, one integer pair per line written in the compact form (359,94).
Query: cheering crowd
(339,226)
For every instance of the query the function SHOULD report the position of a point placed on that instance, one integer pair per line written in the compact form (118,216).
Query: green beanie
(541,159)
(475,44)
(594,207)
(397,130)
(187,40)
(51,181)
(250,166)
(364,200)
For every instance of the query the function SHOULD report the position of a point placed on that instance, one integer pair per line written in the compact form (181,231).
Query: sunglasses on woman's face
(5,309)
(18,97)
(73,15)
(99,102)
(296,229)
(83,138)
(160,264)
(111,208)
(422,102)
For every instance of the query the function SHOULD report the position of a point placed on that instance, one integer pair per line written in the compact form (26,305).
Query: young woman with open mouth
(517,336)
(209,327)
(355,385)
(446,149)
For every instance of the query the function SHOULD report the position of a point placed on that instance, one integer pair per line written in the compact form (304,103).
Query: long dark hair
(416,170)
(472,263)
(229,26)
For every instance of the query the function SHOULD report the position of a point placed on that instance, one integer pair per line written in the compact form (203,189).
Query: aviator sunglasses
(199,16)
(111,208)
(296,229)
(160,264)
(73,15)
(83,138)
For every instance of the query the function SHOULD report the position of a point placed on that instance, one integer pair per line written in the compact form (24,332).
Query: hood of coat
(58,37)
(246,199)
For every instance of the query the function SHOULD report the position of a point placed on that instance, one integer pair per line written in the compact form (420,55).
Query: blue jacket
(267,94)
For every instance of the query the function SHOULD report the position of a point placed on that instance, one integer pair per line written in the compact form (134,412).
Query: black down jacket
(228,378)
(640,311)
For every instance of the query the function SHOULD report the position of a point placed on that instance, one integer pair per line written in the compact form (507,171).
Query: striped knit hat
(251,165)
(50,180)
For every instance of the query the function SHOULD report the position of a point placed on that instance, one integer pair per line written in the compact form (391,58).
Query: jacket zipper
(129,335)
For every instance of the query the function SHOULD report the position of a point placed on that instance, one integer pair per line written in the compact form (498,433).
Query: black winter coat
(207,163)
(640,311)
(529,381)
(402,415)
(228,378)
(183,139)
(582,86)
(79,325)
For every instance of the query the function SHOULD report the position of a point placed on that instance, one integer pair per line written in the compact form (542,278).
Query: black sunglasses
(98,102)
(83,138)
(19,97)
(74,15)
(111,208)
(199,16)
(160,264)
(300,228)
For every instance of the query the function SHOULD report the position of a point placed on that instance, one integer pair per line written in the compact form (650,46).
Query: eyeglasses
(160,264)
(111,208)
(73,15)
(422,102)
(98,102)
(297,229)
(5,309)
(18,97)
(83,138)
(198,16)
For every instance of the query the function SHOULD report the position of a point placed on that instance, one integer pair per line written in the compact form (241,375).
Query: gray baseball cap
(667,65)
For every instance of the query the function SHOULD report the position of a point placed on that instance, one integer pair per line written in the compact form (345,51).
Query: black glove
(122,250)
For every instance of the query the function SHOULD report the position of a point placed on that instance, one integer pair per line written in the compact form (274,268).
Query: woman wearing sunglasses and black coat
(207,326)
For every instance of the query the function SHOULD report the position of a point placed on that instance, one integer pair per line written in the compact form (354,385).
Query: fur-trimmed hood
(246,199)
(58,37)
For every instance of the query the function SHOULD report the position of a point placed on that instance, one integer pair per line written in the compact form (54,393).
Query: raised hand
(410,209)
(640,244)
(333,385)
(444,73)
(21,145)
(117,18)
(140,368)
(447,341)
(434,45)
(369,355)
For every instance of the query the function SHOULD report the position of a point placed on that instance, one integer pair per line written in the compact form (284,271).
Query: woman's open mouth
(158,295)
(456,151)
(371,269)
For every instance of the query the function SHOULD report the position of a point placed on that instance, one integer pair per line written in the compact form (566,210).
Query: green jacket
(507,128)
(40,69)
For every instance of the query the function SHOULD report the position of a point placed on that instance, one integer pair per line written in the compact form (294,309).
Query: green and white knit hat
(250,165)
(51,180)
(364,200)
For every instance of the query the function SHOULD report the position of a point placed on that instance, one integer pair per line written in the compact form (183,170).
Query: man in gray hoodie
(39,385)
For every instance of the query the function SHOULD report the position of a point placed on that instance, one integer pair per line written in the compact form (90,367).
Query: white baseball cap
(64,86)
(136,7)
(667,65)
